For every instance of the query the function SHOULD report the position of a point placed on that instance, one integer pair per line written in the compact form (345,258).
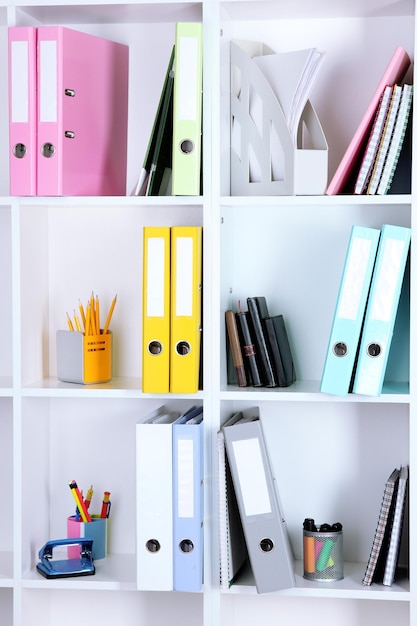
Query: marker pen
(324,556)
(308,541)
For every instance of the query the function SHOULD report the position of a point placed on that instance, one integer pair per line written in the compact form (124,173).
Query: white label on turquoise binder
(184,277)
(155,277)
(20,81)
(387,284)
(188,78)
(355,277)
(48,103)
(185,486)
(252,479)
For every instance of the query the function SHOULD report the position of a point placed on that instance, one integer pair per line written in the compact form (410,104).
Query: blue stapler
(82,566)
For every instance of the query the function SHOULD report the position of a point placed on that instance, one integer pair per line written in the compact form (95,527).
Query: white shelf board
(350,587)
(115,572)
(118,387)
(309,391)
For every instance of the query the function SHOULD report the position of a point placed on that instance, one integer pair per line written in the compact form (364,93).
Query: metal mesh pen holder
(323,555)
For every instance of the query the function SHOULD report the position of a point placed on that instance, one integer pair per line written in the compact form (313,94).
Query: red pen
(106,506)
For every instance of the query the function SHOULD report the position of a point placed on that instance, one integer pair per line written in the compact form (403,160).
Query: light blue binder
(350,309)
(382,309)
(188,501)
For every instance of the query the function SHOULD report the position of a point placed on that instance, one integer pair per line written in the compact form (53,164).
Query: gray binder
(269,549)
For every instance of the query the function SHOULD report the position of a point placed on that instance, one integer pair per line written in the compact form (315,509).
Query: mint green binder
(188,98)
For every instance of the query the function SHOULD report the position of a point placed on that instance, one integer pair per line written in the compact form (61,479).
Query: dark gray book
(248,348)
(258,312)
(277,338)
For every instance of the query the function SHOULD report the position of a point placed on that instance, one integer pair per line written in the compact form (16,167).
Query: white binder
(154,501)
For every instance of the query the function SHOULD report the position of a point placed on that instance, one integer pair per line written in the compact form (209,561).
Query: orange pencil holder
(85,359)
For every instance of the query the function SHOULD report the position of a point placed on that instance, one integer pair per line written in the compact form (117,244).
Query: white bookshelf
(53,251)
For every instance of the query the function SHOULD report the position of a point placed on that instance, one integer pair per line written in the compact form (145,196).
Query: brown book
(236,349)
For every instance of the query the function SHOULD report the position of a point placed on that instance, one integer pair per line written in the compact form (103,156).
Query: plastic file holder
(304,169)
(85,359)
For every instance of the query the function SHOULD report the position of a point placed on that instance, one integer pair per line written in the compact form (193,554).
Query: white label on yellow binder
(355,276)
(252,479)
(184,277)
(388,279)
(48,82)
(185,485)
(155,278)
(188,76)
(20,81)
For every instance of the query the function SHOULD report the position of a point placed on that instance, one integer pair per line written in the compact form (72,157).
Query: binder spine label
(184,280)
(255,494)
(48,103)
(20,81)
(185,482)
(355,278)
(188,55)
(384,296)
(156,277)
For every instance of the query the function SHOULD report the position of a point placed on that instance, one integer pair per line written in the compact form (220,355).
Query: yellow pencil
(70,325)
(87,320)
(93,315)
(77,322)
(97,315)
(109,314)
(80,306)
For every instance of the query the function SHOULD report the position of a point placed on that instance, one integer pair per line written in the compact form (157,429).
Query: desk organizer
(95,530)
(323,555)
(85,359)
(304,170)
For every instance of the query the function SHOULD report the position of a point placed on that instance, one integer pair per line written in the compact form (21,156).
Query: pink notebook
(394,73)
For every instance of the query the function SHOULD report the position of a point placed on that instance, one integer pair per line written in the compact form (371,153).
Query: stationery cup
(323,555)
(85,359)
(96,530)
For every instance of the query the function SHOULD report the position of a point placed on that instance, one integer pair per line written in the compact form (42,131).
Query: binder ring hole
(155,347)
(19,150)
(266,545)
(374,349)
(48,150)
(186,545)
(183,348)
(340,348)
(153,545)
(187,146)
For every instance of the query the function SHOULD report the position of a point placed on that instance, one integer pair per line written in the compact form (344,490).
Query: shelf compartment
(62,262)
(349,588)
(294,255)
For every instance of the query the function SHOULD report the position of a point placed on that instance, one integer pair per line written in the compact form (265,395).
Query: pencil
(70,324)
(109,315)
